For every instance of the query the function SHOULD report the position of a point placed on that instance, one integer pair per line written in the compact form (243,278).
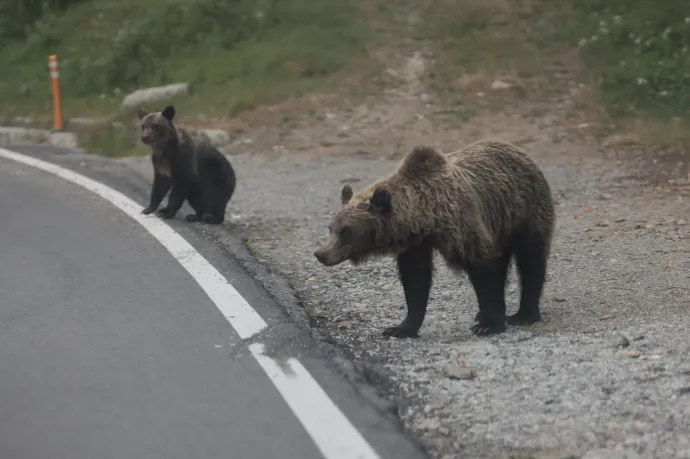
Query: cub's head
(358,229)
(156,128)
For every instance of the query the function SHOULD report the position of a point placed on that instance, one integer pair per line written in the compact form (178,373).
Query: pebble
(628,353)
(622,341)
(454,371)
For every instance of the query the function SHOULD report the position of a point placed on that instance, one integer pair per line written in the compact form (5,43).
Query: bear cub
(195,170)
(478,207)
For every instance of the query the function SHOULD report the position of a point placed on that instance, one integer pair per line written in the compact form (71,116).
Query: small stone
(558,299)
(601,453)
(633,354)
(620,220)
(216,137)
(680,222)
(454,371)
(150,95)
(684,390)
(621,342)
(498,84)
(638,338)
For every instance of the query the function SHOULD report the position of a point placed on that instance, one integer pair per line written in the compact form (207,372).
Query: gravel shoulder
(605,374)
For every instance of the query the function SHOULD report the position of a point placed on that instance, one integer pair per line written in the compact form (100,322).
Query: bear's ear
(380,201)
(345,194)
(168,113)
(141,112)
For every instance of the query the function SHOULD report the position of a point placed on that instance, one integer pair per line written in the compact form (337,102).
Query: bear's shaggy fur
(478,207)
(196,171)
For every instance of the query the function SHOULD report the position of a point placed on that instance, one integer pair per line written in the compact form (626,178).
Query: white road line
(319,415)
(245,320)
(328,427)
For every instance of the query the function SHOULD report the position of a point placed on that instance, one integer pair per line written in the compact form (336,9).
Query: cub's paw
(148,210)
(165,213)
(192,218)
(211,219)
(522,319)
(488,330)
(404,330)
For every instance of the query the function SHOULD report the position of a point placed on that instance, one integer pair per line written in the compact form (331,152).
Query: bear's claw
(400,331)
(488,330)
(522,319)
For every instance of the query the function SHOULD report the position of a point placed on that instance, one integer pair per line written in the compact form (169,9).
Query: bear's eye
(346,231)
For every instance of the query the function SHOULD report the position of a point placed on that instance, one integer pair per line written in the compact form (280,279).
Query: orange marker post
(57,101)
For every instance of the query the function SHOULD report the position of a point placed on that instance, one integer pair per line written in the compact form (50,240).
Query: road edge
(276,285)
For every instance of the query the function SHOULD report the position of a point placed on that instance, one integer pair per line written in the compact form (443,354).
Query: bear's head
(156,128)
(358,229)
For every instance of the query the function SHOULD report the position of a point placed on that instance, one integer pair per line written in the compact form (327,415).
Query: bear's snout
(328,257)
(320,256)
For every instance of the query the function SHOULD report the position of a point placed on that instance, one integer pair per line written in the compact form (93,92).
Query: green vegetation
(239,54)
(639,51)
(635,52)
(235,54)
(480,40)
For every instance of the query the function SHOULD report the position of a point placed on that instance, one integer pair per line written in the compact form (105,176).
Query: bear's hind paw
(401,331)
(488,330)
(523,319)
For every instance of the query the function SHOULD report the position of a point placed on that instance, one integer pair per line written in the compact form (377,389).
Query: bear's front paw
(165,213)
(404,330)
(148,210)
(211,219)
(523,319)
(488,330)
(192,218)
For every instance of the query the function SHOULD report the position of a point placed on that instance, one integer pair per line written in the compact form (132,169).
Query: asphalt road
(110,349)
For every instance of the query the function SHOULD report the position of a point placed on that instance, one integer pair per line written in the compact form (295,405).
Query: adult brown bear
(478,207)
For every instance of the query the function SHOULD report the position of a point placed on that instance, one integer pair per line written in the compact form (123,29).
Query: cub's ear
(380,201)
(141,112)
(168,113)
(345,194)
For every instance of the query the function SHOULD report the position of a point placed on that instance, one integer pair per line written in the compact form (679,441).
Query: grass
(238,55)
(633,54)
(235,55)
(478,41)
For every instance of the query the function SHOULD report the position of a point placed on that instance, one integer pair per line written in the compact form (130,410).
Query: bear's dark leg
(503,266)
(530,256)
(161,186)
(196,201)
(415,267)
(488,279)
(175,201)
(215,204)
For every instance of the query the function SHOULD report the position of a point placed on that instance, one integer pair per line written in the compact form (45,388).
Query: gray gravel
(604,375)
